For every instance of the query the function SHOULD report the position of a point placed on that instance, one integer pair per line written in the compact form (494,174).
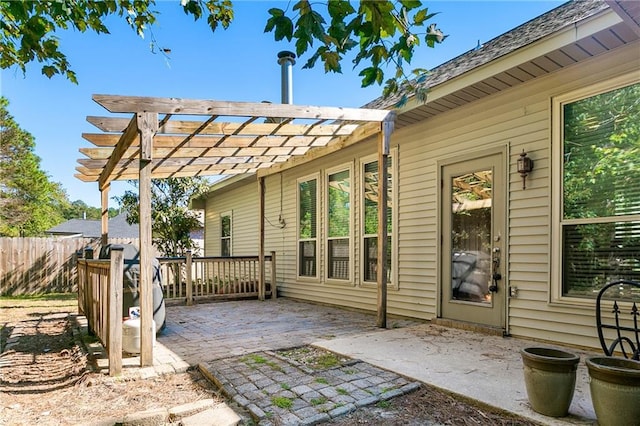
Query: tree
(29,202)
(381,33)
(80,210)
(172,221)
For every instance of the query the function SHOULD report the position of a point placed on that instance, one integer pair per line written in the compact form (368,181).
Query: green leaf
(331,62)
(49,70)
(339,9)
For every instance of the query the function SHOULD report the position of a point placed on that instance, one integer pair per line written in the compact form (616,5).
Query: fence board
(43,265)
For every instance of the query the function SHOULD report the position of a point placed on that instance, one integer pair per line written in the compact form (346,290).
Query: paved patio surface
(482,367)
(218,330)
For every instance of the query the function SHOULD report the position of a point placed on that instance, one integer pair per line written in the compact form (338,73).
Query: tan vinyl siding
(242,203)
(517,119)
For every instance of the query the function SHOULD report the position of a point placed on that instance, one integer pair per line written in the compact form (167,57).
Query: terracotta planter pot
(550,379)
(615,390)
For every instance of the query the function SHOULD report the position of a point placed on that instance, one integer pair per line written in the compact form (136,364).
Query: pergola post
(104,214)
(261,277)
(381,271)
(114,346)
(147,126)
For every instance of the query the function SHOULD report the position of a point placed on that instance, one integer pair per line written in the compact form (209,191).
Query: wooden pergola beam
(363,132)
(165,141)
(168,154)
(182,172)
(182,127)
(132,104)
(125,141)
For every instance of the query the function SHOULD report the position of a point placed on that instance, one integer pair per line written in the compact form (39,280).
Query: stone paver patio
(212,331)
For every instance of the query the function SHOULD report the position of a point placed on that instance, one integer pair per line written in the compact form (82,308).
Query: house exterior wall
(244,210)
(512,120)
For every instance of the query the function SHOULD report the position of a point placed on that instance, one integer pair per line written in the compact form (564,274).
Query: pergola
(169,137)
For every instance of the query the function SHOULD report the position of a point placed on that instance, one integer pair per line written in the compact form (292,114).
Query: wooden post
(383,155)
(104,216)
(189,279)
(88,252)
(147,126)
(114,345)
(261,285)
(274,286)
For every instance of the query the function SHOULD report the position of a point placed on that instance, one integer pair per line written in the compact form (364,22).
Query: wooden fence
(100,301)
(191,278)
(43,265)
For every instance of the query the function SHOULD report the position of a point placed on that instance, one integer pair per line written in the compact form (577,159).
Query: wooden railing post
(274,287)
(88,253)
(189,279)
(76,257)
(114,309)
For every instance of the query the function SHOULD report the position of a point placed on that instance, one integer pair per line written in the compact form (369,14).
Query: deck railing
(100,288)
(100,301)
(191,278)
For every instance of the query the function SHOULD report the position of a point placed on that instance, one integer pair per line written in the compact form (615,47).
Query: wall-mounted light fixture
(525,165)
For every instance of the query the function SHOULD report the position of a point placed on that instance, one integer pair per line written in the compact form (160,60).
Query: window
(225,234)
(307,227)
(369,177)
(339,225)
(599,188)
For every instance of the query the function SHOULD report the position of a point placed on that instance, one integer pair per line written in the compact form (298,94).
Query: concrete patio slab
(482,367)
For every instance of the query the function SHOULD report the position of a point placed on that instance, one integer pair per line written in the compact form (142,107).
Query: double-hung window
(308,227)
(339,218)
(370,185)
(598,165)
(225,234)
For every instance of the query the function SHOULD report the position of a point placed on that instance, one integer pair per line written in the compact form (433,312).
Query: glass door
(473,215)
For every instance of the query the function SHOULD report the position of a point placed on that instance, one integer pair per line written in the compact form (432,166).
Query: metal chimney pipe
(286,60)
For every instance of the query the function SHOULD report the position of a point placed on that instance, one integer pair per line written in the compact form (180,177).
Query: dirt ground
(46,379)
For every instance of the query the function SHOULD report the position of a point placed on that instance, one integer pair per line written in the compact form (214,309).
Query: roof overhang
(478,74)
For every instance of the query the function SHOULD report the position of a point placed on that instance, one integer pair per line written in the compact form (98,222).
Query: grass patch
(43,296)
(282,402)
(274,366)
(314,358)
(383,404)
(349,371)
(285,386)
(322,380)
(327,361)
(342,391)
(318,401)
(255,359)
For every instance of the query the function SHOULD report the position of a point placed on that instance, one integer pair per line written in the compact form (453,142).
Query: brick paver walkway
(277,390)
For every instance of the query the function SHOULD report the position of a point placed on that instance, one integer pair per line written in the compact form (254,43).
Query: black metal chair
(627,331)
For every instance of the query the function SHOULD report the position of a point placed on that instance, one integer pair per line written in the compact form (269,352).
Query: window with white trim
(339,219)
(598,162)
(226,227)
(308,227)
(369,223)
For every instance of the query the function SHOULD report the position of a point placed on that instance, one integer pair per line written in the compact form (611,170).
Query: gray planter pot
(550,379)
(615,390)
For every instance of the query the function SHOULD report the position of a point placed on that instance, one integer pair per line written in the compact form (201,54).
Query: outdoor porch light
(525,165)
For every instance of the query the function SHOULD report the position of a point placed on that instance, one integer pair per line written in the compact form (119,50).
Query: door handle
(495,270)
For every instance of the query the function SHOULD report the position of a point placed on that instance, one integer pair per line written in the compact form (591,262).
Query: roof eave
(564,37)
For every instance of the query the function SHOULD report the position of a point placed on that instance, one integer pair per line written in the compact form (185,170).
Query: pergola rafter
(170,137)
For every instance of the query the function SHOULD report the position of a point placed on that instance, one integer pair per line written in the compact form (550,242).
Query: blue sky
(238,64)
